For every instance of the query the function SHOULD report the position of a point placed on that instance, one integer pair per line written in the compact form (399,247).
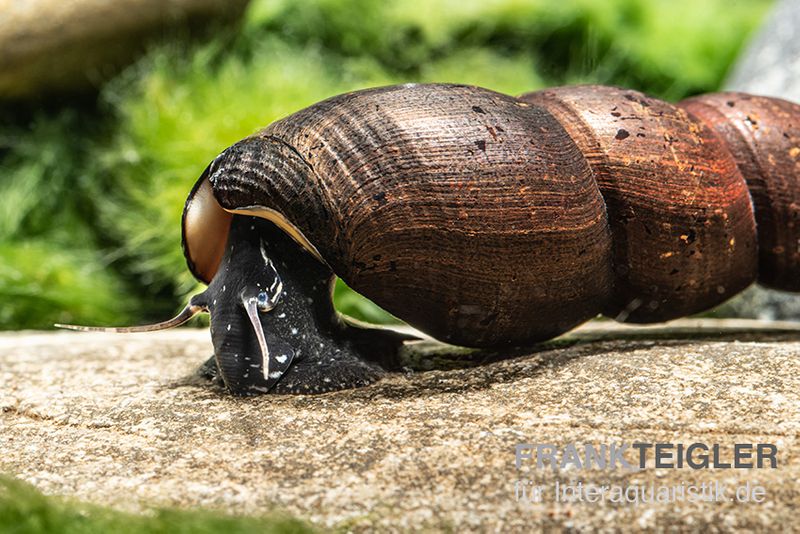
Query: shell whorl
(763,134)
(484,219)
(679,210)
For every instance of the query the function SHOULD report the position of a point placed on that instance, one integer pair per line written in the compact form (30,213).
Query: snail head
(270,305)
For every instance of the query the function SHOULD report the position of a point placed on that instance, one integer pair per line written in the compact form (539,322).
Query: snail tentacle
(183,317)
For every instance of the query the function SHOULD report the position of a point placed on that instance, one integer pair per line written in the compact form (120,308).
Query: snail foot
(322,373)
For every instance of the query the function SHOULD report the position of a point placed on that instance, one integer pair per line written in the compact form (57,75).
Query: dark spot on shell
(691,235)
(640,134)
(674,271)
(499,128)
(616,114)
(376,257)
(380,198)
(630,97)
(481,145)
(621,134)
(478,109)
(730,103)
(365,267)
(392,266)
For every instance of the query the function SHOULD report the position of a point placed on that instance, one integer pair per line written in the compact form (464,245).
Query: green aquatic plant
(25,510)
(51,266)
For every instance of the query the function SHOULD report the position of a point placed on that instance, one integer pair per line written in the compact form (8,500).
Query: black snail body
(484,220)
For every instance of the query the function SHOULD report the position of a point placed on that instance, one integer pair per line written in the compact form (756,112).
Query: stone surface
(121,420)
(57,45)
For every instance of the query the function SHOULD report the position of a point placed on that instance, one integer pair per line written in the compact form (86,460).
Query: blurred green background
(91,192)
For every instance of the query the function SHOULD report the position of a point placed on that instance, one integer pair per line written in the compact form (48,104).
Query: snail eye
(263,302)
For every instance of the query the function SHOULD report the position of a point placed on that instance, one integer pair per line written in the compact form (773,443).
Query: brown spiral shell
(763,134)
(484,219)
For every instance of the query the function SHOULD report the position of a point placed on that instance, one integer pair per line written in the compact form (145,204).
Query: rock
(121,420)
(770,66)
(48,46)
(758,302)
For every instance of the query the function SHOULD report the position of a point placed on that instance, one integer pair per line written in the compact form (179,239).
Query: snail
(483,220)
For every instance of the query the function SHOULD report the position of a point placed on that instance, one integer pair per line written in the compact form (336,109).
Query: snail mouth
(251,356)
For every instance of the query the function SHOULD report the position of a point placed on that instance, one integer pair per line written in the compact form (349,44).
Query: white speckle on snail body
(281,358)
(229,327)
(224,287)
(282,316)
(294,331)
(275,374)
